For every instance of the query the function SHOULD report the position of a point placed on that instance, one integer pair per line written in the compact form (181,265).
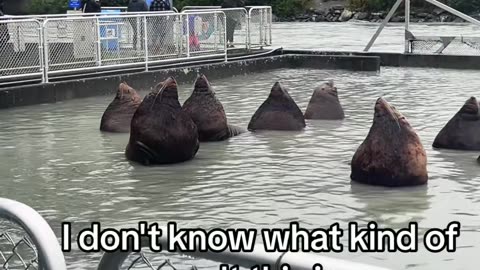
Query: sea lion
(119,113)
(278,112)
(392,154)
(161,133)
(324,103)
(462,131)
(208,114)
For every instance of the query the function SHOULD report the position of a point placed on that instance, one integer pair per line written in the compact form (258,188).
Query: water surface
(55,159)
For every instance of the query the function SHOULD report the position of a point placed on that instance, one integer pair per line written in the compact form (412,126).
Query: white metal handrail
(50,255)
(150,29)
(258,256)
(57,38)
(410,37)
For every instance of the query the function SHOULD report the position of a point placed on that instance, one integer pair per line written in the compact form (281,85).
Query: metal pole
(225,37)
(40,51)
(45,50)
(454,12)
(270,25)
(384,23)
(99,43)
(249,38)
(50,255)
(215,25)
(188,35)
(259,256)
(407,25)
(145,41)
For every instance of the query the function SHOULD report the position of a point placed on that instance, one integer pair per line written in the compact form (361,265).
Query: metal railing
(251,26)
(259,256)
(455,45)
(236,26)
(128,40)
(26,239)
(28,242)
(38,48)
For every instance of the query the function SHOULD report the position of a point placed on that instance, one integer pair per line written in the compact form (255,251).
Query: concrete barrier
(186,73)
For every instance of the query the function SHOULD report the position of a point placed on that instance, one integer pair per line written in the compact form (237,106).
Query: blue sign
(75,4)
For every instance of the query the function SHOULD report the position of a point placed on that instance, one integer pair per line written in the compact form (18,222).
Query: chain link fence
(206,32)
(55,45)
(20,49)
(260,27)
(445,45)
(16,248)
(147,260)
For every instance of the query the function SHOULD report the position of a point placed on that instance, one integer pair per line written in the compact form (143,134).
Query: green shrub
(48,6)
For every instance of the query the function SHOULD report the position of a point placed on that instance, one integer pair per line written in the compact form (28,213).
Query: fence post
(188,35)
(40,50)
(215,26)
(270,25)
(45,51)
(407,25)
(145,41)
(225,37)
(249,39)
(99,42)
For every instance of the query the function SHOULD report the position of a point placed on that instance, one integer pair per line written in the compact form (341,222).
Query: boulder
(398,19)
(346,15)
(361,16)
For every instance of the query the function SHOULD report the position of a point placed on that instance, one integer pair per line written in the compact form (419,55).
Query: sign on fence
(75,4)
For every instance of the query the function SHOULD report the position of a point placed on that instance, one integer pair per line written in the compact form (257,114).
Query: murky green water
(55,159)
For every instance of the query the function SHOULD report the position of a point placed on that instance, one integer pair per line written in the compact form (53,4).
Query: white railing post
(45,51)
(145,41)
(99,42)
(41,50)
(188,34)
(50,255)
(407,25)
(215,26)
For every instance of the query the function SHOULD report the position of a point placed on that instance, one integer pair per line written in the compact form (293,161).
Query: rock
(320,12)
(377,15)
(302,17)
(398,19)
(320,18)
(274,18)
(444,18)
(338,7)
(438,11)
(361,16)
(423,15)
(346,15)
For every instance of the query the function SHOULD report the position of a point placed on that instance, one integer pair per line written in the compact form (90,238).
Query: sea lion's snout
(202,83)
(277,90)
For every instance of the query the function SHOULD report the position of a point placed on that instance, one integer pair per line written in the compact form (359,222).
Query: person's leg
(133,23)
(230,29)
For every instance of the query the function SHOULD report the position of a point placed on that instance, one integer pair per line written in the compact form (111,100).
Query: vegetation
(48,6)
(282,8)
(467,6)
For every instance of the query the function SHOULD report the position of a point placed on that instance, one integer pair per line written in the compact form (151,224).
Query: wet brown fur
(462,132)
(208,114)
(325,104)
(161,133)
(392,154)
(278,112)
(118,115)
